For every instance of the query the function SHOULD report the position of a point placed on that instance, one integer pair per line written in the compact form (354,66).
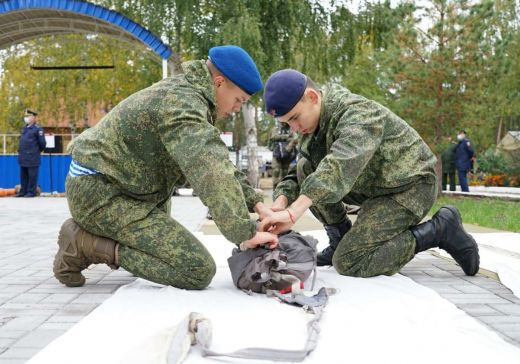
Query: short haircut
(311,84)
(213,70)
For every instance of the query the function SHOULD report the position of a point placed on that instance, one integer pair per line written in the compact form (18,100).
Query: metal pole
(50,170)
(4,145)
(164,68)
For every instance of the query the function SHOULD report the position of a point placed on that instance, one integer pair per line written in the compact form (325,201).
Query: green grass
(487,212)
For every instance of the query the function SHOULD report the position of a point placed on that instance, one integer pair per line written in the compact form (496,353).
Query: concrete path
(35,308)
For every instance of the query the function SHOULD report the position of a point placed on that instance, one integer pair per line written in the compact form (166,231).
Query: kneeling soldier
(125,168)
(356,150)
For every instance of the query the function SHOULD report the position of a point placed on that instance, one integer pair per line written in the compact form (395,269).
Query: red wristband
(291,216)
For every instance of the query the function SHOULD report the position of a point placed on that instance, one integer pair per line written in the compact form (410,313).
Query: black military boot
(335,233)
(445,231)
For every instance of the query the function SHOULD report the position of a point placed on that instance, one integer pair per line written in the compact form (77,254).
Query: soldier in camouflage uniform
(354,149)
(448,164)
(125,168)
(282,143)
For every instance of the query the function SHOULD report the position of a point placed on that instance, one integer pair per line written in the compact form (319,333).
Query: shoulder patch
(469,144)
(40,132)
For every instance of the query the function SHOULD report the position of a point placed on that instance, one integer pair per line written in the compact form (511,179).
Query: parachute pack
(282,269)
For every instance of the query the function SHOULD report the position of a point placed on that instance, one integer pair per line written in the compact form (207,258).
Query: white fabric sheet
(375,320)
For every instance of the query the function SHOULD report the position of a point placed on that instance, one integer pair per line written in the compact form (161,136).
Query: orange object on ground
(7,192)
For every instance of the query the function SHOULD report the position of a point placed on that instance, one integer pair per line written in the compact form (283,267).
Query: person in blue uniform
(464,155)
(32,143)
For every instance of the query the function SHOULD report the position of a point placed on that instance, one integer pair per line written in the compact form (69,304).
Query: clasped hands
(276,220)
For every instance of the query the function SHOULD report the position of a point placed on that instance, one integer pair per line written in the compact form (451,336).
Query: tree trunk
(499,131)
(438,173)
(174,65)
(248,110)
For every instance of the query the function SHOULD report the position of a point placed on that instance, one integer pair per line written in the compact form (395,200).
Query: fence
(51,177)
(61,141)
(53,169)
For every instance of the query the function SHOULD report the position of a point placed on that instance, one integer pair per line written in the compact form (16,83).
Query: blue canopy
(22,20)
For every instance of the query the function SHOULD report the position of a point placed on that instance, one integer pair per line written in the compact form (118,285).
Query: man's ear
(312,95)
(218,80)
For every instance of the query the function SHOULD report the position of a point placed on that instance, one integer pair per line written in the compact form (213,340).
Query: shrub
(495,180)
(476,179)
(514,181)
(491,162)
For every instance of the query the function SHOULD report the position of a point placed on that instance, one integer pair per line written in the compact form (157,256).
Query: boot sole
(324,264)
(64,241)
(456,212)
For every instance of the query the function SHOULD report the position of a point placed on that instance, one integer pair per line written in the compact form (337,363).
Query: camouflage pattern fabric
(154,139)
(380,241)
(326,213)
(152,244)
(164,135)
(280,167)
(361,147)
(448,158)
(363,153)
(280,170)
(448,166)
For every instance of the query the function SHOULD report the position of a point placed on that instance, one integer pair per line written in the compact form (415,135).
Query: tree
(70,95)
(498,40)
(248,111)
(455,65)
(455,73)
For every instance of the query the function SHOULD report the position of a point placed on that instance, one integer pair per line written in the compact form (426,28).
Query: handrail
(4,136)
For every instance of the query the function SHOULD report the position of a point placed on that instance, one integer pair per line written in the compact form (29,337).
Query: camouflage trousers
(152,245)
(380,240)
(280,170)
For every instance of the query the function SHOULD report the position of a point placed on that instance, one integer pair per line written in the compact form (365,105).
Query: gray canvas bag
(260,270)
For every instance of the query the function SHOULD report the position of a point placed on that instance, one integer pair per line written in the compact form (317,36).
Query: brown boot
(77,250)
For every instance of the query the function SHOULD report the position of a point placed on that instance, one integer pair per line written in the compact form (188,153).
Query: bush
(491,162)
(514,181)
(476,179)
(495,180)
(514,160)
(497,169)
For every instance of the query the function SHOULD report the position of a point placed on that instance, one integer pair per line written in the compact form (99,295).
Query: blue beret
(238,66)
(283,90)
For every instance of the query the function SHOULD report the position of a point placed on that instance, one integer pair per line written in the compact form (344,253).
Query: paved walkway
(35,308)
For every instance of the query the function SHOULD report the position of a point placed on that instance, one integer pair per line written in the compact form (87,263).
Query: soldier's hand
(260,238)
(278,222)
(280,203)
(262,210)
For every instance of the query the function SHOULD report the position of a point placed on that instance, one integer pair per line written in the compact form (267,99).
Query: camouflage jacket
(448,157)
(164,134)
(360,146)
(281,133)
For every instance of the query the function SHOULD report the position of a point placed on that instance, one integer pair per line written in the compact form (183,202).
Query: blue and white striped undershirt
(77,169)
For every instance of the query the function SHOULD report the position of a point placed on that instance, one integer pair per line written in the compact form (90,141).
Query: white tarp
(375,320)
